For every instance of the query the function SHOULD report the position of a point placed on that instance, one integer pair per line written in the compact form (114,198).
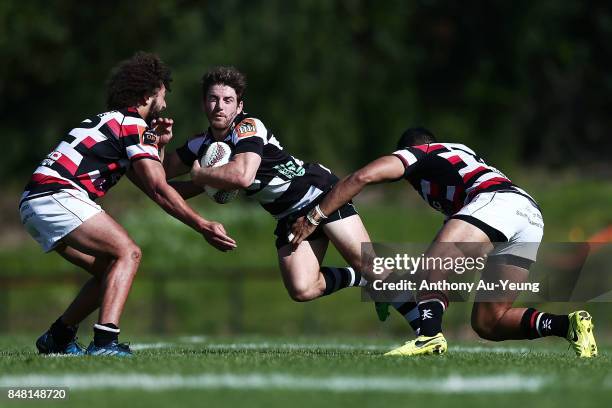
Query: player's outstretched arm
(173,165)
(149,176)
(238,173)
(186,188)
(387,168)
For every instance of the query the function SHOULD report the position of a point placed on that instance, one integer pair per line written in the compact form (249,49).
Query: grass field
(288,371)
(301,372)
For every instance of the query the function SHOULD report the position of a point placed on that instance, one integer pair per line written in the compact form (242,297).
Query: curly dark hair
(228,76)
(135,78)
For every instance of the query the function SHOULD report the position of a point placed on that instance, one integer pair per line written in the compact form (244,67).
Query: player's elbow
(361,177)
(244,180)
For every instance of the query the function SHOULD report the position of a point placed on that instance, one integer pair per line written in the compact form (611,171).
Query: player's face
(221,106)
(158,104)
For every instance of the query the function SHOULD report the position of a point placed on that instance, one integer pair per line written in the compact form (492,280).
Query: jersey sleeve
(139,141)
(250,135)
(188,152)
(410,158)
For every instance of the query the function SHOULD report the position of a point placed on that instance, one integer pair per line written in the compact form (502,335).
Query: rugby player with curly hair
(58,205)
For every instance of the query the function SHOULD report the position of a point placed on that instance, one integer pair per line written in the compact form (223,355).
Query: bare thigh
(348,235)
(99,237)
(300,267)
(461,238)
(456,239)
(96,266)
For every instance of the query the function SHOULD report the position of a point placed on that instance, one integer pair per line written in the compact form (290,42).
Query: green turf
(566,379)
(573,210)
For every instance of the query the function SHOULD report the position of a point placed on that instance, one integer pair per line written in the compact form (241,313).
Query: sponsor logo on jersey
(290,170)
(51,158)
(246,128)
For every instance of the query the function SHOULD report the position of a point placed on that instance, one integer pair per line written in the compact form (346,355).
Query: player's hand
(163,130)
(196,170)
(216,236)
(301,229)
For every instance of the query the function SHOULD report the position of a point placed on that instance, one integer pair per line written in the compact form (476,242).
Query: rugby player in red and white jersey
(487,216)
(285,186)
(59,211)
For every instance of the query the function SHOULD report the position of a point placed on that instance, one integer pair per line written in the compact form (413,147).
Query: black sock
(411,313)
(431,312)
(105,333)
(340,278)
(538,324)
(62,333)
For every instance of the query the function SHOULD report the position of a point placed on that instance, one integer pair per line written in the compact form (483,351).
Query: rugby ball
(218,154)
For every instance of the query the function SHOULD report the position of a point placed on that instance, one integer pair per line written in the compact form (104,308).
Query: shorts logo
(246,128)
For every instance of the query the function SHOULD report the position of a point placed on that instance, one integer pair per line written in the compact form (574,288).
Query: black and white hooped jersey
(450,175)
(283,184)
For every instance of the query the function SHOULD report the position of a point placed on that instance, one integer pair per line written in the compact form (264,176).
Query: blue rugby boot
(47,345)
(112,349)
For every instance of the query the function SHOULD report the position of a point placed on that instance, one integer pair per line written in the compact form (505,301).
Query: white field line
(148,346)
(274,346)
(454,384)
(494,349)
(315,346)
(193,339)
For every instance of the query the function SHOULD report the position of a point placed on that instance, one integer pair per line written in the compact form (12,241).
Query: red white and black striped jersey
(450,175)
(94,156)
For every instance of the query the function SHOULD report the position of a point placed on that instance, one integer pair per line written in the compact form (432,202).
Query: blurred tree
(337,81)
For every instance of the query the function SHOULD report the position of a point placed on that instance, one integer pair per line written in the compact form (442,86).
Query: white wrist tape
(319,212)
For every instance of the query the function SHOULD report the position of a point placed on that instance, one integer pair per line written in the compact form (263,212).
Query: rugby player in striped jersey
(58,208)
(285,187)
(482,206)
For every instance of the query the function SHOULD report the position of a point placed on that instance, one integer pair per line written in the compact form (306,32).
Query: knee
(135,253)
(131,252)
(300,296)
(485,326)
(302,292)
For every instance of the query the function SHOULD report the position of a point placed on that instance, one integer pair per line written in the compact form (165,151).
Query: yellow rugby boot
(580,334)
(422,345)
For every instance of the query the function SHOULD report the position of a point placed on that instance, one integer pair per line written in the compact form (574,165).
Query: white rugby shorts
(50,218)
(511,221)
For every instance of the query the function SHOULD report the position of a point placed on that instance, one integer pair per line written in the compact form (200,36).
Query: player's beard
(222,127)
(154,112)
